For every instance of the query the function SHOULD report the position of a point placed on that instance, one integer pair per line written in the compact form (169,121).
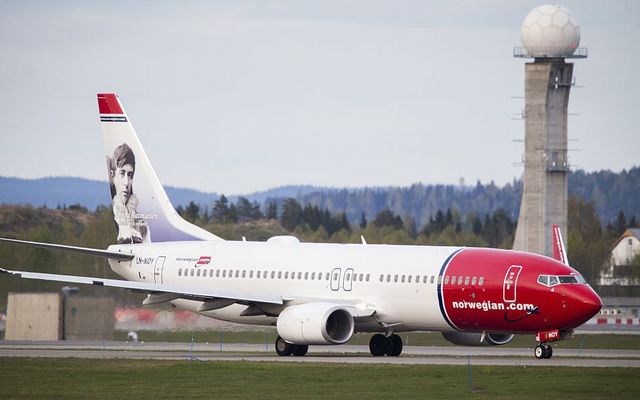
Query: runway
(347,354)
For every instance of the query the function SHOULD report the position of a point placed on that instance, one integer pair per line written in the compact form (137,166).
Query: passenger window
(273,274)
(409,279)
(327,277)
(204,273)
(418,279)
(217,273)
(210,273)
(381,277)
(224,273)
(466,281)
(180,272)
(306,276)
(439,279)
(279,274)
(481,281)
(313,275)
(473,281)
(251,274)
(368,275)
(258,274)
(453,280)
(361,277)
(286,275)
(459,280)
(424,279)
(388,277)
(244,273)
(432,278)
(402,279)
(300,275)
(198,273)
(319,276)
(395,278)
(446,280)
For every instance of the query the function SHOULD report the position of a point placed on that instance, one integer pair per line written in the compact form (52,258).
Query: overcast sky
(240,96)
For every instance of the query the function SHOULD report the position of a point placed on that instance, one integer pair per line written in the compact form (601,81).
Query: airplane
(322,293)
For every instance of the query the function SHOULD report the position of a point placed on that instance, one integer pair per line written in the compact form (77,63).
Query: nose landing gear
(543,351)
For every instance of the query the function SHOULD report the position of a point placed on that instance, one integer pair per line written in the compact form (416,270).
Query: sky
(241,96)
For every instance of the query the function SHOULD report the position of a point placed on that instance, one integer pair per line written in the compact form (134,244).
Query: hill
(610,192)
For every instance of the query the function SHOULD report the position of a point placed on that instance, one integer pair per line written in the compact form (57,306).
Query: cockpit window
(568,279)
(552,280)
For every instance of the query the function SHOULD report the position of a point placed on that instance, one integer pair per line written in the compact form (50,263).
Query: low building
(619,269)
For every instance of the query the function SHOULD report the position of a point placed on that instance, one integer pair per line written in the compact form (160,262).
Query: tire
(539,352)
(395,346)
(378,345)
(283,348)
(549,352)
(299,350)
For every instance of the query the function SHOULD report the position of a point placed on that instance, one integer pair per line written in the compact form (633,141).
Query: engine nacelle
(474,339)
(315,323)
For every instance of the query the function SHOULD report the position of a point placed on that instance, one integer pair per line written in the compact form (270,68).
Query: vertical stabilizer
(142,211)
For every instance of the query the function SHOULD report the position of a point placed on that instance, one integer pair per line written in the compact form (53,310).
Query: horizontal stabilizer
(73,249)
(202,294)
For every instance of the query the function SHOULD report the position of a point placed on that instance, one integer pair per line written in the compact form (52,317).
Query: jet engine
(476,339)
(315,323)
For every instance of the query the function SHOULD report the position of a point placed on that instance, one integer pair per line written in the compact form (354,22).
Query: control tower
(550,34)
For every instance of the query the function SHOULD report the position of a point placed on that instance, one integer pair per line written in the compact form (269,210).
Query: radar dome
(550,31)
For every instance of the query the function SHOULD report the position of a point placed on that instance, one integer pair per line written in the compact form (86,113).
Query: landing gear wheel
(283,348)
(548,351)
(300,349)
(379,345)
(395,346)
(539,352)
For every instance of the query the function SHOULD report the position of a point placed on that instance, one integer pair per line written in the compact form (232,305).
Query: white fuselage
(405,297)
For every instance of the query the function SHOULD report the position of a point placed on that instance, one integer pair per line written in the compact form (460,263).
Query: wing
(202,294)
(72,249)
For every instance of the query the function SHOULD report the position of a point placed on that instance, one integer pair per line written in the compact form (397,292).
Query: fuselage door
(335,279)
(348,278)
(510,283)
(157,271)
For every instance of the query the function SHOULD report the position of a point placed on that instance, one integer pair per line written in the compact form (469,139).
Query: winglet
(559,251)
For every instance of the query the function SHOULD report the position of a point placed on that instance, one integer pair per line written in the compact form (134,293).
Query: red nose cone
(586,304)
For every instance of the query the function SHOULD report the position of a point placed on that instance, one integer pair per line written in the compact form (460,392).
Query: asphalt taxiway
(347,354)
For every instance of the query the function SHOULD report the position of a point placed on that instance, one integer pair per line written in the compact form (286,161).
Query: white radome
(550,31)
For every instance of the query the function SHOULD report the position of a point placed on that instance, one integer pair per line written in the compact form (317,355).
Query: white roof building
(619,270)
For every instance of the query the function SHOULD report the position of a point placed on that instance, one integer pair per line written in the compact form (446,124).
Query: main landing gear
(381,345)
(543,351)
(286,349)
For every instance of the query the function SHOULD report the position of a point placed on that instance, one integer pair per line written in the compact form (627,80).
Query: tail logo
(131,228)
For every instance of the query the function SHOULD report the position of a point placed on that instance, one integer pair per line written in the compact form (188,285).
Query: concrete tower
(550,34)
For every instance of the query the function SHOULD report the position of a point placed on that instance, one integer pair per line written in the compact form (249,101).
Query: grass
(619,342)
(109,379)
